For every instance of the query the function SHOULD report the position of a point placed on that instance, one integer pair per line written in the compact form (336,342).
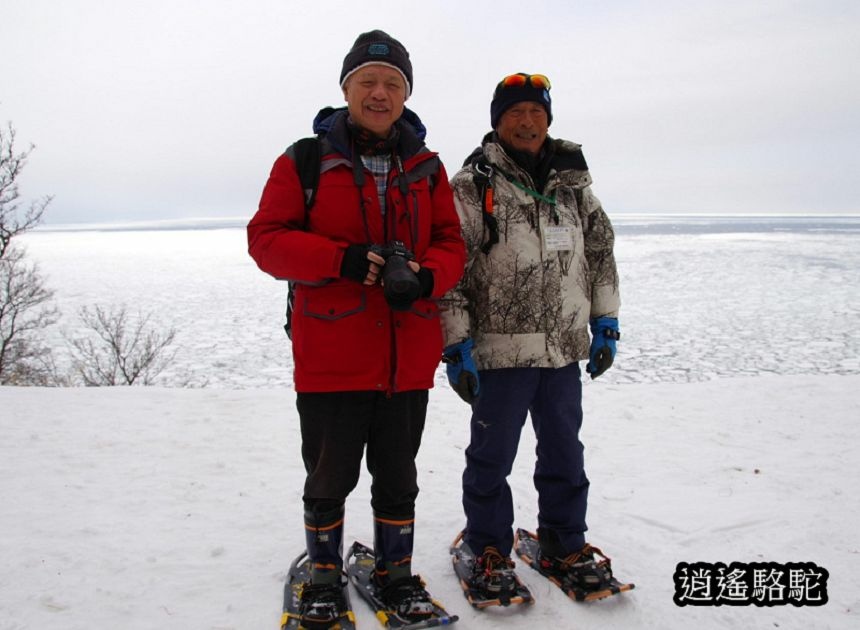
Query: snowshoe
(583,576)
(488,579)
(402,603)
(315,606)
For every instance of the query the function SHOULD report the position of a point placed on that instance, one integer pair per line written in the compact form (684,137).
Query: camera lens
(401,284)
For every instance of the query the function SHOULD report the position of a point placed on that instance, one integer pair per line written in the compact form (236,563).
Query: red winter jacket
(344,335)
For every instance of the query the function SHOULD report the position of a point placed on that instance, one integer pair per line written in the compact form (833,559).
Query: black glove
(425,278)
(355,265)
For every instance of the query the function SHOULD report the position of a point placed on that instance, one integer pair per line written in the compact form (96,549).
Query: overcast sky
(177,108)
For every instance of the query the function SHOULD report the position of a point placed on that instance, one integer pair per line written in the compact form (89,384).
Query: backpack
(308,157)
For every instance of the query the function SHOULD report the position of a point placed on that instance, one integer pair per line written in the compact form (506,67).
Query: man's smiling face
(375,96)
(524,126)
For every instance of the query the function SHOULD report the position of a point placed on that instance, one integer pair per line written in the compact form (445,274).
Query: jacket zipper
(401,177)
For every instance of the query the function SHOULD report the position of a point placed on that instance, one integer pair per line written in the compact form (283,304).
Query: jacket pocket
(335,333)
(333,303)
(425,309)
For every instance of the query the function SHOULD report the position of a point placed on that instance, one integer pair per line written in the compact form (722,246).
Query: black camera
(400,284)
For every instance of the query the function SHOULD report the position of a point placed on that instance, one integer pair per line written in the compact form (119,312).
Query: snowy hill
(171,509)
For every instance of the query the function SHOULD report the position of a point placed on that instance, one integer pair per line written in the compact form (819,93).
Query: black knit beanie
(377,47)
(506,96)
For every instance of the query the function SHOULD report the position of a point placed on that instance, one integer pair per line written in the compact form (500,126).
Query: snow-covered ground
(143,508)
(727,431)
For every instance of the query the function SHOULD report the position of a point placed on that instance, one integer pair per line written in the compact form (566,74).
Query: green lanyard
(533,193)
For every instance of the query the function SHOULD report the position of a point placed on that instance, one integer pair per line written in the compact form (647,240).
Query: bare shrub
(119,349)
(24,314)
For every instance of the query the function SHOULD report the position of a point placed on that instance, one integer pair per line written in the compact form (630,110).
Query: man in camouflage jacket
(540,272)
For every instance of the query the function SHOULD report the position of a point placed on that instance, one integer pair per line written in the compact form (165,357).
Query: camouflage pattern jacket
(528,301)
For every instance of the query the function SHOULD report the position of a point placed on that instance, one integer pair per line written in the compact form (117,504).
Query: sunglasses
(539,81)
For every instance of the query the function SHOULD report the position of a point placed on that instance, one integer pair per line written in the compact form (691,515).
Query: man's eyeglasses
(539,81)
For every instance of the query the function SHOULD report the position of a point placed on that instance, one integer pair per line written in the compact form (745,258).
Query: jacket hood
(566,155)
(327,117)
(330,123)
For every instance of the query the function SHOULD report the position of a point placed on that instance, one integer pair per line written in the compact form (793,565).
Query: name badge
(557,238)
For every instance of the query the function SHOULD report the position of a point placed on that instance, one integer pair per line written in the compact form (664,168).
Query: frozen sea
(702,297)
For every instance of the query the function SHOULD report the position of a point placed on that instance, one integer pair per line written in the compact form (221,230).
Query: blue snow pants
(553,397)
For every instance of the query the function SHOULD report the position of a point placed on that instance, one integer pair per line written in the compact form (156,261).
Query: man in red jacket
(369,260)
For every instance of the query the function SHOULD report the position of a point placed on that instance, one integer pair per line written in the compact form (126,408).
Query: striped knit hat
(377,47)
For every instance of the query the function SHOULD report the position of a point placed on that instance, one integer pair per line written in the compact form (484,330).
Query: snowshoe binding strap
(494,574)
(321,605)
(587,568)
(407,599)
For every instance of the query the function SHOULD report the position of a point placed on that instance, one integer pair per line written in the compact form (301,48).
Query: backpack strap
(426,169)
(482,174)
(307,156)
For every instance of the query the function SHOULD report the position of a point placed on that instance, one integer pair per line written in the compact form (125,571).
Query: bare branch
(24,309)
(118,351)
(12,220)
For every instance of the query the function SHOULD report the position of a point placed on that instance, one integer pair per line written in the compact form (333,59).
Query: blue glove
(604,334)
(462,373)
